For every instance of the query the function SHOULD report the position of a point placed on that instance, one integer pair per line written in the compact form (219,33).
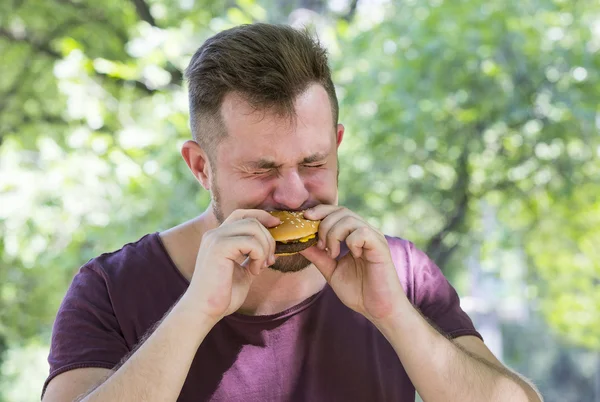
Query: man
(205,311)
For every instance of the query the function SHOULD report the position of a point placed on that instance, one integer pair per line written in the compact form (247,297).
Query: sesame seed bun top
(293,226)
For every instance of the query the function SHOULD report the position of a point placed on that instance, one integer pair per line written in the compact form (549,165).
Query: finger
(366,243)
(325,264)
(265,218)
(250,227)
(269,242)
(264,237)
(340,230)
(319,212)
(239,248)
(254,267)
(327,223)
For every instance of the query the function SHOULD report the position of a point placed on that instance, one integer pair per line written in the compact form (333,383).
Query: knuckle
(353,238)
(260,251)
(364,231)
(252,220)
(348,219)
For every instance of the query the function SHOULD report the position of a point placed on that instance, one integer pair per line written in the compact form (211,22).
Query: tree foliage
(457,106)
(452,108)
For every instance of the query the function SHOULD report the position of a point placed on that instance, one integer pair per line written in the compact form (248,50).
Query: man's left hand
(365,279)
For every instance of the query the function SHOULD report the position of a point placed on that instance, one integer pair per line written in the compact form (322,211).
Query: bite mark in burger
(294,234)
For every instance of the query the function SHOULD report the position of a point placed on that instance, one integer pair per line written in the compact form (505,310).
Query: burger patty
(294,247)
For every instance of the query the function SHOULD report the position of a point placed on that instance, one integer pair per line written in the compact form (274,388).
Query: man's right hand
(229,258)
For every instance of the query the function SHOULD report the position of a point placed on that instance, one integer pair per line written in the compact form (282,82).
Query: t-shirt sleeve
(86,332)
(435,297)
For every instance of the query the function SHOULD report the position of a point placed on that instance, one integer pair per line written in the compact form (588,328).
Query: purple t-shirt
(318,350)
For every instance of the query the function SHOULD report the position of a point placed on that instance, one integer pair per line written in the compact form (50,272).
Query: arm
(443,370)
(476,348)
(74,384)
(365,279)
(164,358)
(158,369)
(228,259)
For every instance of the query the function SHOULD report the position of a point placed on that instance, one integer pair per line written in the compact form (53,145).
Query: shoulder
(400,248)
(401,251)
(139,273)
(428,289)
(129,259)
(135,284)
(136,267)
(406,255)
(113,267)
(414,267)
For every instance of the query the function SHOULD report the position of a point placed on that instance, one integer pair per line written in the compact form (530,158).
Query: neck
(272,291)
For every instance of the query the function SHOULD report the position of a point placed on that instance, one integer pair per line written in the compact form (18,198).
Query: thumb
(321,260)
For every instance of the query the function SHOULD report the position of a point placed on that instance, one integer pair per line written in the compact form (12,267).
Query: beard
(288,263)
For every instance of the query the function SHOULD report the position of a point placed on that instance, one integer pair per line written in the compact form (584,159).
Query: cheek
(321,182)
(251,192)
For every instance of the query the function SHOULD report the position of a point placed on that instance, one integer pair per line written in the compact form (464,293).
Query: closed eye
(260,172)
(315,165)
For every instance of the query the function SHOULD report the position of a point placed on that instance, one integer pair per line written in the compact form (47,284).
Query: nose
(290,191)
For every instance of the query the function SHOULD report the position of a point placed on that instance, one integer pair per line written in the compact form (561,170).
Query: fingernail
(272,260)
(320,244)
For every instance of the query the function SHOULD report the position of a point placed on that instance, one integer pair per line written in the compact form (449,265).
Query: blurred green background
(473,129)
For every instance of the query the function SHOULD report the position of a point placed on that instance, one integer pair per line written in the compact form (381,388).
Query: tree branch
(79,6)
(445,253)
(436,249)
(13,88)
(12,91)
(26,120)
(45,49)
(143,11)
(351,11)
(96,15)
(40,47)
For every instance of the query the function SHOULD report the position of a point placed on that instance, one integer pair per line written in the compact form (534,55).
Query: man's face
(271,163)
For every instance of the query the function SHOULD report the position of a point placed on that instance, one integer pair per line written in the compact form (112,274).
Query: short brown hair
(267,65)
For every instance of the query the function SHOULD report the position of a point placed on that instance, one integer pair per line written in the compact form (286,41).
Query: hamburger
(294,234)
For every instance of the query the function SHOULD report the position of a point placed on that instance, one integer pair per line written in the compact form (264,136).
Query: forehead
(255,134)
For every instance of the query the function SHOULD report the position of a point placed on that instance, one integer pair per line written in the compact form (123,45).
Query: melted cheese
(302,239)
(307,238)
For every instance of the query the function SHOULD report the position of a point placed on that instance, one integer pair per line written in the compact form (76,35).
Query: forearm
(159,367)
(441,370)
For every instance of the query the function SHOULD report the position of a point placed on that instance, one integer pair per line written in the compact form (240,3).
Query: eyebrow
(268,164)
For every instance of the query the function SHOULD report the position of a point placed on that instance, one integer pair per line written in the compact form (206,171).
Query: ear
(197,160)
(339,134)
